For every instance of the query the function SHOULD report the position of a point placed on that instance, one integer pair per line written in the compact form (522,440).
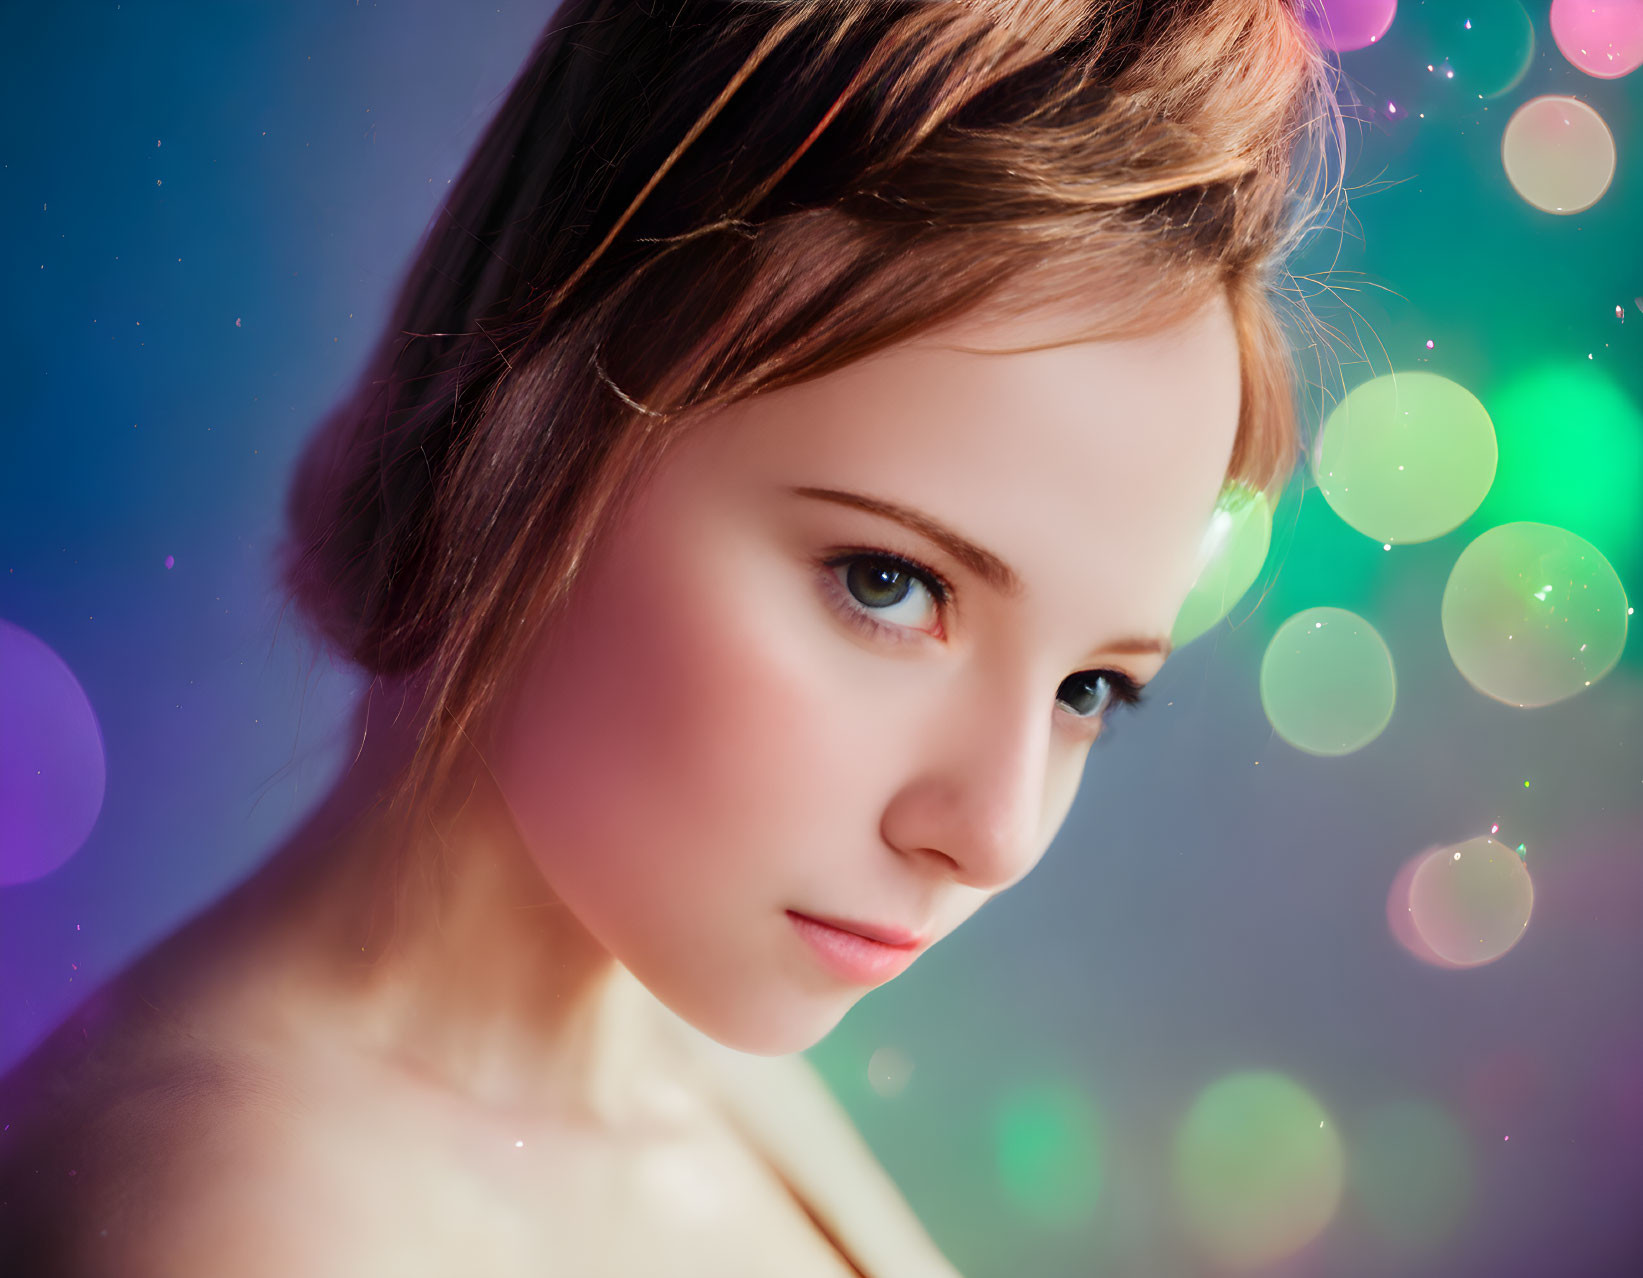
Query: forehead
(1047,456)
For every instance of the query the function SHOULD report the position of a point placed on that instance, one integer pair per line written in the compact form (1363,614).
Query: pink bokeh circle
(1604,38)
(1344,25)
(52,770)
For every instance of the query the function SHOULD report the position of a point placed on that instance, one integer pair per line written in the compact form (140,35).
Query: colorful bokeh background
(1337,967)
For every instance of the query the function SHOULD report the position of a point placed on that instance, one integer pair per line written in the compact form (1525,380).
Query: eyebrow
(978,559)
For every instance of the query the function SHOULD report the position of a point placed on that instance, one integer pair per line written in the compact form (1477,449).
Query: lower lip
(855,958)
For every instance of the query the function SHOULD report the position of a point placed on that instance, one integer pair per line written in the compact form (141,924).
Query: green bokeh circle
(1048,1140)
(1406,457)
(1327,682)
(1533,614)
(1258,1168)
(1239,536)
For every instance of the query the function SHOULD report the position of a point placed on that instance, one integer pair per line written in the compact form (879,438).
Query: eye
(870,586)
(1092,694)
(887,594)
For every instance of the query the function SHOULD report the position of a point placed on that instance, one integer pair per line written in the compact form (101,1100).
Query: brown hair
(683,203)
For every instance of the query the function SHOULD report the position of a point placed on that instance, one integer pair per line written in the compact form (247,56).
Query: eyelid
(940,587)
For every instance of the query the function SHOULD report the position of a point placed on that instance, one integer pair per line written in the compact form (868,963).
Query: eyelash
(1126,693)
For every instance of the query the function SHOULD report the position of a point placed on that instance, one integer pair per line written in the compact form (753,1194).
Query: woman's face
(770,695)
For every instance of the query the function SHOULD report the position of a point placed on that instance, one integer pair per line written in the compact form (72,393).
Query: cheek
(1061,787)
(675,743)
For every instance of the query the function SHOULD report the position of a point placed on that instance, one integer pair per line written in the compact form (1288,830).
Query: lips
(851,956)
(897,937)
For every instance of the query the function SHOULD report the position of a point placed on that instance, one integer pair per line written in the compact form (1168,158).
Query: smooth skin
(710,739)
(744,710)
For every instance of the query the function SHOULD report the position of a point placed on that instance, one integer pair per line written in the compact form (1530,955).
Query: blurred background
(1336,966)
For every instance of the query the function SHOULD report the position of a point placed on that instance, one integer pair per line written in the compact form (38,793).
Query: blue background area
(205,209)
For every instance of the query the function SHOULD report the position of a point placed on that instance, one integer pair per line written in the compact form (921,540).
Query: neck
(443,950)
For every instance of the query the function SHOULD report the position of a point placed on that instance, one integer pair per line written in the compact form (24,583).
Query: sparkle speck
(170,560)
(236,321)
(1429,343)
(1494,829)
(519,1144)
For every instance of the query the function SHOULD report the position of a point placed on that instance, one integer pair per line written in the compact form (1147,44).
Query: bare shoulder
(136,1145)
(787,1112)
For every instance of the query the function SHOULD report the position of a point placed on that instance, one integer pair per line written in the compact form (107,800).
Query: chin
(777,1041)
(759,1030)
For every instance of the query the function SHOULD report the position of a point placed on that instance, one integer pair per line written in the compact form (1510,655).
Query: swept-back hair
(683,203)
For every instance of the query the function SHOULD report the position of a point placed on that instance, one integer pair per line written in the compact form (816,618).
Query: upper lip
(900,937)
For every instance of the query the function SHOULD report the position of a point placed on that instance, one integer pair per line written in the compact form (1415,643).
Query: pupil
(867,581)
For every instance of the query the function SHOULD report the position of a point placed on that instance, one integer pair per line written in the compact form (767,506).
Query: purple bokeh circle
(52,769)
(1344,25)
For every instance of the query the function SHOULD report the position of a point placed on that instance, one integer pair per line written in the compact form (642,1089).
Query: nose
(978,795)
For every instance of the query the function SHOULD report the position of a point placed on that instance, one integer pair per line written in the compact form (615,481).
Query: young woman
(796,436)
